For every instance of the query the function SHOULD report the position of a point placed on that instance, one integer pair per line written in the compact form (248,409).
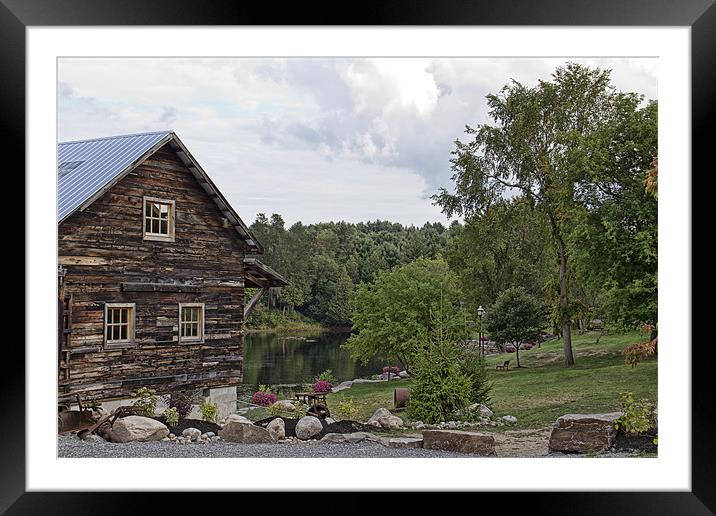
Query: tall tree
(540,146)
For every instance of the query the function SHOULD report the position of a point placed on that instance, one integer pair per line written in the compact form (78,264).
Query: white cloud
(313,139)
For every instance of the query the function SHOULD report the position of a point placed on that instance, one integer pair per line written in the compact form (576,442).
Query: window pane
(123,314)
(155,210)
(155,226)
(164,229)
(123,332)
(115,332)
(109,332)
(164,210)
(148,209)
(148,225)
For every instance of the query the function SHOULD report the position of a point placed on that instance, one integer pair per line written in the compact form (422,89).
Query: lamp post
(480,313)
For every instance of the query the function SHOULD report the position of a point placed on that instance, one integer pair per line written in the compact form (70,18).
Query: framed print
(225,304)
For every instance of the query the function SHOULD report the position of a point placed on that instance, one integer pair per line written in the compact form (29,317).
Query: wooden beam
(159,287)
(249,307)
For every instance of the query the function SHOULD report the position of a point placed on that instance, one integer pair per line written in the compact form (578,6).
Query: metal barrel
(401,397)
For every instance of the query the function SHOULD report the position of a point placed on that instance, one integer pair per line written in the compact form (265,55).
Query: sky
(314,139)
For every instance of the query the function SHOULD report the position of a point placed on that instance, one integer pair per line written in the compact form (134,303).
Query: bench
(504,367)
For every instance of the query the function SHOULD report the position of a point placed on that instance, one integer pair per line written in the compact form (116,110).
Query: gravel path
(74,447)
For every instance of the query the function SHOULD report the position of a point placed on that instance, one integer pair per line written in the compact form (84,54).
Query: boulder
(509,419)
(390,421)
(138,428)
(334,438)
(286,405)
(405,442)
(307,427)
(375,418)
(583,433)
(238,418)
(404,374)
(357,437)
(192,433)
(277,429)
(237,432)
(482,409)
(459,441)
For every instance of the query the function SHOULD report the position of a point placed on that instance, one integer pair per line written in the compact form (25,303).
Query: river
(271,359)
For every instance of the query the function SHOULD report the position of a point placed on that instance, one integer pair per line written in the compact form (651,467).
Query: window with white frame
(158,219)
(119,324)
(191,322)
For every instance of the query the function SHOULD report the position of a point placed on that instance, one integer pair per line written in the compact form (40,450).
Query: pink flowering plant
(391,369)
(322,386)
(263,398)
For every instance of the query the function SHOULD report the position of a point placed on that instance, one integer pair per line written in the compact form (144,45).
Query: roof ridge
(115,137)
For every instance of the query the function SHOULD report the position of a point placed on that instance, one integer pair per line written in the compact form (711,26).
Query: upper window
(191,322)
(119,324)
(158,219)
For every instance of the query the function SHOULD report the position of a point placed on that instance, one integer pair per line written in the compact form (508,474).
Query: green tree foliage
(473,365)
(440,388)
(516,316)
(614,239)
(325,262)
(544,144)
(509,244)
(394,314)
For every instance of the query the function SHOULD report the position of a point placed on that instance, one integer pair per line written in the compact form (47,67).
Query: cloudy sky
(311,139)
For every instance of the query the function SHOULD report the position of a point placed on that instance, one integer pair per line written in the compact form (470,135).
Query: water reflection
(273,359)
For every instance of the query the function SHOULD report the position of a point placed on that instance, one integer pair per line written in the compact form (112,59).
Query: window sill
(119,345)
(159,238)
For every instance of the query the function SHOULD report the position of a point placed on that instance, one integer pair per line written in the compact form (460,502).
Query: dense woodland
(558,196)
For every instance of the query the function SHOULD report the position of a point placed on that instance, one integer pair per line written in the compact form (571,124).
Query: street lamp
(480,313)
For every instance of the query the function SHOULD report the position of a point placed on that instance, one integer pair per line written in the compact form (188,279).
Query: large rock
(375,418)
(390,421)
(583,433)
(237,432)
(138,428)
(286,405)
(342,386)
(483,409)
(459,441)
(405,442)
(238,418)
(277,429)
(307,427)
(192,433)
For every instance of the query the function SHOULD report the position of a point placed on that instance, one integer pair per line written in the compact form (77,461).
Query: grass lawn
(543,389)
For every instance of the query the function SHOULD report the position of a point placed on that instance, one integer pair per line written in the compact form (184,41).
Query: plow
(88,420)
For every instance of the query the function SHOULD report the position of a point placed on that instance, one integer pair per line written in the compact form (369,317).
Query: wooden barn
(152,272)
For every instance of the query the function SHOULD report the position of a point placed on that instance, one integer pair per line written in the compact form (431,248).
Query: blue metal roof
(88,168)
(85,168)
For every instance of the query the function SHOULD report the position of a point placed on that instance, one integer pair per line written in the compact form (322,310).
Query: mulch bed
(203,426)
(642,443)
(339,427)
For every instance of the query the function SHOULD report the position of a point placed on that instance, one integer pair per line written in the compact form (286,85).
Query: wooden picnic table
(311,397)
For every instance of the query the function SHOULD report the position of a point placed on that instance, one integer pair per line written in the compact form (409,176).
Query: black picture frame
(700,15)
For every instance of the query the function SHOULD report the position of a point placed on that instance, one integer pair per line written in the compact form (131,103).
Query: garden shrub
(475,367)
(439,386)
(327,376)
(263,398)
(180,401)
(300,411)
(322,386)
(146,404)
(347,409)
(171,417)
(275,410)
(209,411)
(638,415)
(638,351)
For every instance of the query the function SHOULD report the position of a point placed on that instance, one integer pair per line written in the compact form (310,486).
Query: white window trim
(200,338)
(170,223)
(132,320)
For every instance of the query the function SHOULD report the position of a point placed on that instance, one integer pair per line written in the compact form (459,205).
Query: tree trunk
(564,304)
(517,353)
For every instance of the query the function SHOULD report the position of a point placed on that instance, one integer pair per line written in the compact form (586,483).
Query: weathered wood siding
(102,248)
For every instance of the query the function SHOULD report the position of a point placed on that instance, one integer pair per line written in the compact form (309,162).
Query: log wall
(106,257)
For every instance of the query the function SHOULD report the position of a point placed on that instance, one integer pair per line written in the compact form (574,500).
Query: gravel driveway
(74,447)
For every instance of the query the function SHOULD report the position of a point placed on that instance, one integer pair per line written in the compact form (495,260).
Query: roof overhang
(260,275)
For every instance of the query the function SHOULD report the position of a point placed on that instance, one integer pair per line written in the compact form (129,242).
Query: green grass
(543,389)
